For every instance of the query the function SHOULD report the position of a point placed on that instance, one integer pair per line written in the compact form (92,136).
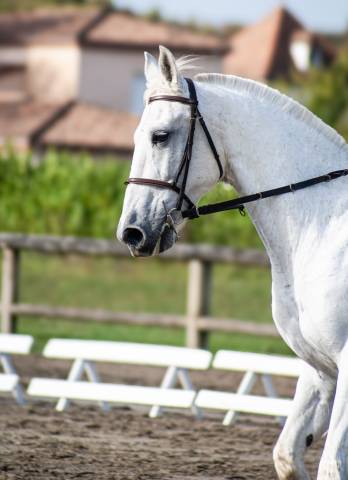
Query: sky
(327,16)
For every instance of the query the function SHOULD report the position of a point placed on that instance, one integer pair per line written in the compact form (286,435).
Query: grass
(145,285)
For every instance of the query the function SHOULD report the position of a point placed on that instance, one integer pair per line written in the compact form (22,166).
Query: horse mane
(187,63)
(285,103)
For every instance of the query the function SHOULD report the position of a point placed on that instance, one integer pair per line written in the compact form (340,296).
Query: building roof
(44,25)
(12,81)
(262,51)
(74,126)
(106,28)
(124,30)
(254,48)
(20,120)
(88,127)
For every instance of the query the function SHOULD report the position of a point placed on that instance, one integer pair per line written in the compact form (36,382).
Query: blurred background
(71,89)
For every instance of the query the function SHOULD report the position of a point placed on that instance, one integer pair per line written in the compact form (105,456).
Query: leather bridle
(192,210)
(184,166)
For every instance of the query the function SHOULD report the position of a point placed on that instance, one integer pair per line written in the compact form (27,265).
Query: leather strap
(193,96)
(160,184)
(211,143)
(173,98)
(189,144)
(238,203)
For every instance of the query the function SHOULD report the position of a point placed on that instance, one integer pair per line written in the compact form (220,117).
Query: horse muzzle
(143,243)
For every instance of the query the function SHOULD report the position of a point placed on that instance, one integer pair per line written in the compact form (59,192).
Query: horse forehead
(163,112)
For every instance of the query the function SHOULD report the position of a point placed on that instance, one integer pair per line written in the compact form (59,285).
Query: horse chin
(138,253)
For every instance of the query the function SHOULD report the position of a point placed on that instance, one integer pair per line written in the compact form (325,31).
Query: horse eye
(159,137)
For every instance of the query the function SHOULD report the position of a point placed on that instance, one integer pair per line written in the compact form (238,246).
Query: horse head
(167,174)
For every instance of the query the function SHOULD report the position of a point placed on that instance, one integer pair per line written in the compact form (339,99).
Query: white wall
(300,52)
(14,56)
(106,77)
(53,72)
(112,78)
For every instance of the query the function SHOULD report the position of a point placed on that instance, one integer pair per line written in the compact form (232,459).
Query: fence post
(198,301)
(9,289)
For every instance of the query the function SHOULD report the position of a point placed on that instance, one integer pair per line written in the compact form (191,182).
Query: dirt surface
(38,443)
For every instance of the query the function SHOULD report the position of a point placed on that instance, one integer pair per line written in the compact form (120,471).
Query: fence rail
(200,258)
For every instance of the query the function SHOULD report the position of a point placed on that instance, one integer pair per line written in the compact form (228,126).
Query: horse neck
(265,147)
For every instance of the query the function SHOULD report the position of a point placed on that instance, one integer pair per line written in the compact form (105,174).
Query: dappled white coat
(267,140)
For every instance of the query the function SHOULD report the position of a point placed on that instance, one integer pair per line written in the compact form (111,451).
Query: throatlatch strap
(193,95)
(189,144)
(211,143)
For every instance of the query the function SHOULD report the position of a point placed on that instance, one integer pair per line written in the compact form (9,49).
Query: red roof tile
(262,51)
(123,30)
(106,28)
(19,121)
(44,26)
(253,48)
(88,127)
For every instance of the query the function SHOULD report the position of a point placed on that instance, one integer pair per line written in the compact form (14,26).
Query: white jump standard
(108,392)
(13,344)
(254,365)
(86,353)
(275,407)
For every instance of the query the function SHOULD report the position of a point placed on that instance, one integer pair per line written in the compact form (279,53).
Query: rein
(238,203)
(235,204)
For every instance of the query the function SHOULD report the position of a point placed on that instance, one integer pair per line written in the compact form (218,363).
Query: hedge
(72,194)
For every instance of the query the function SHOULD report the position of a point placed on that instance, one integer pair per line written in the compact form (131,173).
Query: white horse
(264,140)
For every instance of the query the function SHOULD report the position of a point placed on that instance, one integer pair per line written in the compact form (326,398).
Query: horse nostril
(133,237)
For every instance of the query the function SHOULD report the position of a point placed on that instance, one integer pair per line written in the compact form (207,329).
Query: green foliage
(154,15)
(326,92)
(225,228)
(69,194)
(62,195)
(329,91)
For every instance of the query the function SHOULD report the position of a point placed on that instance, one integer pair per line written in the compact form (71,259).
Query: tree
(327,92)
(154,15)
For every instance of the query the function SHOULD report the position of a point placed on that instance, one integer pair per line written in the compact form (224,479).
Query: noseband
(184,166)
(192,210)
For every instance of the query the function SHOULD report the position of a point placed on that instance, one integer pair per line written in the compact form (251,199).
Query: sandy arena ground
(38,443)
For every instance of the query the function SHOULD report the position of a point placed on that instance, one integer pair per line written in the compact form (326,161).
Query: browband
(173,98)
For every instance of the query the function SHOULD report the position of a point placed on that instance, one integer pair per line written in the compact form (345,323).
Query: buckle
(241,210)
(191,213)
(171,220)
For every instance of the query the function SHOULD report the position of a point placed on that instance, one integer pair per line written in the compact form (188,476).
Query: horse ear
(150,68)
(168,68)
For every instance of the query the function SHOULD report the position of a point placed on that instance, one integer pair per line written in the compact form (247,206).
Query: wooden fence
(200,259)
